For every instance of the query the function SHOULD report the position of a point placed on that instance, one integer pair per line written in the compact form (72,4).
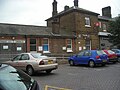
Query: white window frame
(104,27)
(69,49)
(87,22)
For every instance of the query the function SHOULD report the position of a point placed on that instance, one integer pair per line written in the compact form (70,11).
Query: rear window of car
(37,55)
(111,52)
(100,52)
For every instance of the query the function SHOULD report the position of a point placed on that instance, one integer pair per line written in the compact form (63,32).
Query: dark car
(13,79)
(111,55)
(89,57)
(117,51)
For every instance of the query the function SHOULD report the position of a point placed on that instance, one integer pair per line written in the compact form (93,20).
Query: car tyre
(30,70)
(71,62)
(119,59)
(91,64)
(103,64)
(48,71)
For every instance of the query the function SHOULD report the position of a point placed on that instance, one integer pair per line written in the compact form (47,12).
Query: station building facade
(67,32)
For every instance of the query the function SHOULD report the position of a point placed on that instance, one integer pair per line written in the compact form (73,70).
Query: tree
(114,30)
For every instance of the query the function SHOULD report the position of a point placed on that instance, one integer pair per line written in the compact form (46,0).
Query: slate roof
(104,18)
(74,8)
(30,30)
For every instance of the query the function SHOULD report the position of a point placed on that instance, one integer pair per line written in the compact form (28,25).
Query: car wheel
(30,70)
(114,62)
(48,71)
(71,62)
(119,59)
(103,64)
(91,63)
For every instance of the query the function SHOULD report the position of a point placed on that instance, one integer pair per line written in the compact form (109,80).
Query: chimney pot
(76,3)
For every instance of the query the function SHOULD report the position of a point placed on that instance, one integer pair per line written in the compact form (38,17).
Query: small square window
(69,45)
(87,21)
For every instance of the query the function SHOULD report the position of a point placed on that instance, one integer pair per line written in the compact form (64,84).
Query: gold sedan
(32,62)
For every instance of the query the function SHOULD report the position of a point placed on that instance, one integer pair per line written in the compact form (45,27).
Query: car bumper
(113,60)
(46,67)
(101,61)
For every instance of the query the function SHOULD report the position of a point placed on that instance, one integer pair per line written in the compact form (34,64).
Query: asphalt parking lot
(81,78)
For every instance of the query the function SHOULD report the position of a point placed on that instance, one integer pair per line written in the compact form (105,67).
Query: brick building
(25,38)
(67,32)
(103,28)
(78,21)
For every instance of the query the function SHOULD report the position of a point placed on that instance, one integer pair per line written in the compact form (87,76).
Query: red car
(111,55)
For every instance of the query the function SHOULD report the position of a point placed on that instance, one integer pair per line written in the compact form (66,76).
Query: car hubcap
(91,64)
(71,62)
(30,71)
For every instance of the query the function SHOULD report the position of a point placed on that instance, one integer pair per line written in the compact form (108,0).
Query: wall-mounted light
(13,38)
(3,37)
(78,42)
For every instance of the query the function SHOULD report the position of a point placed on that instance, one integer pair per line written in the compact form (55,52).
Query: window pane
(45,47)
(45,41)
(32,48)
(81,53)
(69,41)
(32,44)
(104,26)
(69,44)
(32,41)
(87,21)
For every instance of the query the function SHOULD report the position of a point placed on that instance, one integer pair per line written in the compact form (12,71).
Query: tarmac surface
(81,78)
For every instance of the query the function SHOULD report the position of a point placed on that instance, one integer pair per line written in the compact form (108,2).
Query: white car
(32,62)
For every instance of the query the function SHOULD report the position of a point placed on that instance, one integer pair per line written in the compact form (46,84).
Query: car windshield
(111,52)
(100,52)
(12,79)
(37,55)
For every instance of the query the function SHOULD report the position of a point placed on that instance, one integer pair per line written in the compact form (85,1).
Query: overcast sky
(35,12)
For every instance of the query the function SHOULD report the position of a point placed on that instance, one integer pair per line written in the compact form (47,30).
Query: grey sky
(35,12)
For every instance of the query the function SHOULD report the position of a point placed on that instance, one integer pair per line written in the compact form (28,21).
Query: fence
(61,58)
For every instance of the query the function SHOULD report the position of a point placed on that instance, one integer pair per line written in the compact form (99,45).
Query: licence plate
(50,61)
(104,60)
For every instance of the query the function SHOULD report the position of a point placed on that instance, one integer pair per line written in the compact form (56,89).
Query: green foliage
(114,29)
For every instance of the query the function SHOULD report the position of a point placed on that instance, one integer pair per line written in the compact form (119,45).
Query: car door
(14,61)
(22,63)
(78,58)
(86,57)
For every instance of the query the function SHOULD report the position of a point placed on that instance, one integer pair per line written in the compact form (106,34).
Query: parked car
(13,79)
(32,62)
(89,57)
(117,51)
(111,55)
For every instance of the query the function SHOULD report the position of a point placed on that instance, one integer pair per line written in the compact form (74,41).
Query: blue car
(89,57)
(117,51)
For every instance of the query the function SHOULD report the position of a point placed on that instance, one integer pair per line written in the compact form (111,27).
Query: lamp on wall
(13,38)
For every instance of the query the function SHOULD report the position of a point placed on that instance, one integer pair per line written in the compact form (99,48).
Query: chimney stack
(76,3)
(54,8)
(106,11)
(66,8)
